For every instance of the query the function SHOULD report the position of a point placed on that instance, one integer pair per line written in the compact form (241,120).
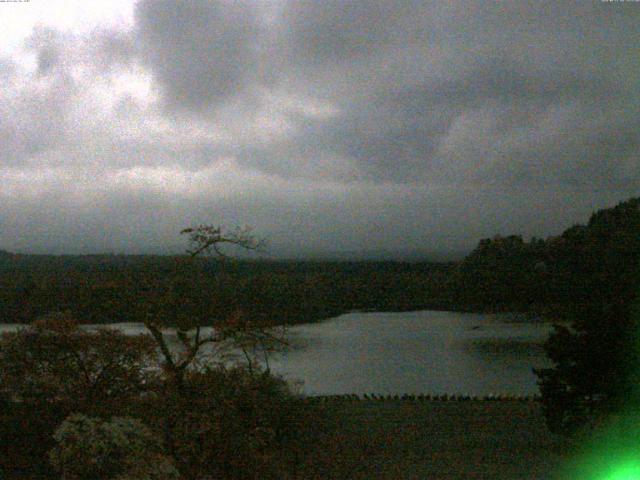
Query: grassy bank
(436,440)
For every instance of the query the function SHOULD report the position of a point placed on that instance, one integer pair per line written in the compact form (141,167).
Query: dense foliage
(51,369)
(585,280)
(596,350)
(585,264)
(503,273)
(53,360)
(234,424)
(219,422)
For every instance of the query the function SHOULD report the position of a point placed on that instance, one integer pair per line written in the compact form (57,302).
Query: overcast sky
(327,125)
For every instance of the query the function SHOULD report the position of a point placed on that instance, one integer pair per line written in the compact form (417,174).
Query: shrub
(53,360)
(120,449)
(233,424)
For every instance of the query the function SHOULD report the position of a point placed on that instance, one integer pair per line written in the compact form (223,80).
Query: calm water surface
(416,352)
(411,352)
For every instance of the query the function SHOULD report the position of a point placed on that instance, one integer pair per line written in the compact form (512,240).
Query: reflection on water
(417,352)
(410,352)
(506,347)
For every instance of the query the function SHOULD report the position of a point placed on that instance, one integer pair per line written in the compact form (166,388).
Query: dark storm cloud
(201,52)
(407,76)
(511,70)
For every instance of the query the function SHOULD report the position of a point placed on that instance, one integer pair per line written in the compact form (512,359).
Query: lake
(428,352)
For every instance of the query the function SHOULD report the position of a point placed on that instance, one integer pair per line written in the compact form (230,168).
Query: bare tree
(206,239)
(232,329)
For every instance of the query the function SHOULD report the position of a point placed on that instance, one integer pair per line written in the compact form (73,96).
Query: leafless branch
(207,238)
(235,332)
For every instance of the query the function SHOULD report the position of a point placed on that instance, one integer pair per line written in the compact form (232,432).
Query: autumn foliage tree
(52,368)
(54,360)
(220,411)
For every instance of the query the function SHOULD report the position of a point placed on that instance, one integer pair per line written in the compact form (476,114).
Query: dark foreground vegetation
(83,405)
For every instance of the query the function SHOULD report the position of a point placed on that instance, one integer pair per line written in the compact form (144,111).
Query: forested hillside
(596,262)
(99,289)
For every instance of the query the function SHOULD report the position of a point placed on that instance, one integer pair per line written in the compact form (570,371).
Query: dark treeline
(103,288)
(500,274)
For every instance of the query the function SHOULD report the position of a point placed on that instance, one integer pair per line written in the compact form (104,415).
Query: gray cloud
(335,31)
(112,48)
(32,116)
(200,52)
(323,123)
(48,45)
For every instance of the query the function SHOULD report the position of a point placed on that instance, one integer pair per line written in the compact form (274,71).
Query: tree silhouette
(184,304)
(594,347)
